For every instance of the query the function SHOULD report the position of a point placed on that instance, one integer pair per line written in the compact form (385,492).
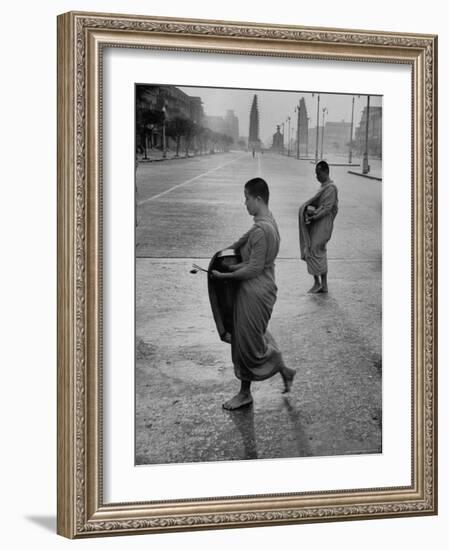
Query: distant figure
(255,353)
(316,222)
(254,153)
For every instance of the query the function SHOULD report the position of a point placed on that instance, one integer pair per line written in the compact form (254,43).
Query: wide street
(187,209)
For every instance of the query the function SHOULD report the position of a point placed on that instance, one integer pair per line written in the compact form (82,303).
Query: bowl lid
(226,253)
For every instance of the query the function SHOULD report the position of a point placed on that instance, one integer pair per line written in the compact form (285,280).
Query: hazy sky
(276,106)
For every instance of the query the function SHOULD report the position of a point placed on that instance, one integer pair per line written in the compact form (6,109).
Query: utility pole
(288,148)
(307,136)
(317,127)
(352,130)
(365,167)
(283,132)
(164,145)
(322,133)
(298,108)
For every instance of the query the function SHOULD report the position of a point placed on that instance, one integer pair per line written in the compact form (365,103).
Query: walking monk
(255,354)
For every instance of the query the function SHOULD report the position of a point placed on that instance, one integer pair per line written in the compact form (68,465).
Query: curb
(364,175)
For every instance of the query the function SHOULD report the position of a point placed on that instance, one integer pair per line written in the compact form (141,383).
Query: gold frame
(81,37)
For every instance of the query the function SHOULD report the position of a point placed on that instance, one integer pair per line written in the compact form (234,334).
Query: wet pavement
(183,370)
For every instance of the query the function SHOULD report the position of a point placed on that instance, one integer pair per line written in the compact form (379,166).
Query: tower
(253,140)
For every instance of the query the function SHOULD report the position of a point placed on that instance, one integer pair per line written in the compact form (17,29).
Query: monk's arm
(240,242)
(256,262)
(328,201)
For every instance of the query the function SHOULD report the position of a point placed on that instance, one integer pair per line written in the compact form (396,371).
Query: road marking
(188,181)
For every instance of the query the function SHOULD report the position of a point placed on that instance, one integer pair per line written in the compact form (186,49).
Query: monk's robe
(313,237)
(255,353)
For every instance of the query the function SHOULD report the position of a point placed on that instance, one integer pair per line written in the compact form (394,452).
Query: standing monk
(316,222)
(255,353)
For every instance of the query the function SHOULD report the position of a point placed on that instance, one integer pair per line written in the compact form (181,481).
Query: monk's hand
(219,275)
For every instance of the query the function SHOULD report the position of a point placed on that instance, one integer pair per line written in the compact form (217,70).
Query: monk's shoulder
(257,232)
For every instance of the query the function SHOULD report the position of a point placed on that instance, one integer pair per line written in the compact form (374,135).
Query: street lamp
(317,126)
(352,130)
(298,110)
(164,145)
(307,137)
(365,166)
(322,133)
(283,131)
(288,147)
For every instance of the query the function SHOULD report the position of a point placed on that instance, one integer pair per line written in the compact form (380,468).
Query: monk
(316,222)
(255,354)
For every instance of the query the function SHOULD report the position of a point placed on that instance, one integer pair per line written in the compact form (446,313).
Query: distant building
(303,129)
(228,125)
(215,123)
(254,139)
(278,141)
(312,140)
(232,125)
(337,136)
(374,133)
(196,110)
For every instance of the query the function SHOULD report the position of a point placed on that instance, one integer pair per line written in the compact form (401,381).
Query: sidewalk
(156,155)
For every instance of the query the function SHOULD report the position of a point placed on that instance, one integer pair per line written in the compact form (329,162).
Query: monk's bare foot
(315,289)
(323,289)
(239,400)
(287,376)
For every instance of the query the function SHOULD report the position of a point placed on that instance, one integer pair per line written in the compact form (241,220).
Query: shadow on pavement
(243,419)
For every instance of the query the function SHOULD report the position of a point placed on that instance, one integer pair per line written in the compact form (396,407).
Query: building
(278,141)
(337,137)
(232,125)
(157,105)
(311,136)
(303,129)
(254,139)
(227,125)
(214,123)
(374,133)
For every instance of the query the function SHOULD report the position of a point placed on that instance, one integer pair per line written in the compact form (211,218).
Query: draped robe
(314,236)
(255,353)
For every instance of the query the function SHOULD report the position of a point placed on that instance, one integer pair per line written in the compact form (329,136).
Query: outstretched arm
(256,263)
(240,242)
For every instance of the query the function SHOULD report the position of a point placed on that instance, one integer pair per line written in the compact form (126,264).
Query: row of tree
(182,130)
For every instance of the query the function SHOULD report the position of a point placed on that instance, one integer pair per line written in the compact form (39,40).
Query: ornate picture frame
(82,511)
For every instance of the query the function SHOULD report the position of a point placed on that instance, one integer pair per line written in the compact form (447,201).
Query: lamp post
(283,131)
(164,145)
(317,126)
(288,147)
(307,137)
(322,133)
(365,167)
(298,109)
(352,130)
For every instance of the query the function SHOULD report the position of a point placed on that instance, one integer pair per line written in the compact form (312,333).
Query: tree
(178,127)
(146,119)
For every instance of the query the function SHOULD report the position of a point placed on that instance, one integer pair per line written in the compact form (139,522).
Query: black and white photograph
(258,249)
